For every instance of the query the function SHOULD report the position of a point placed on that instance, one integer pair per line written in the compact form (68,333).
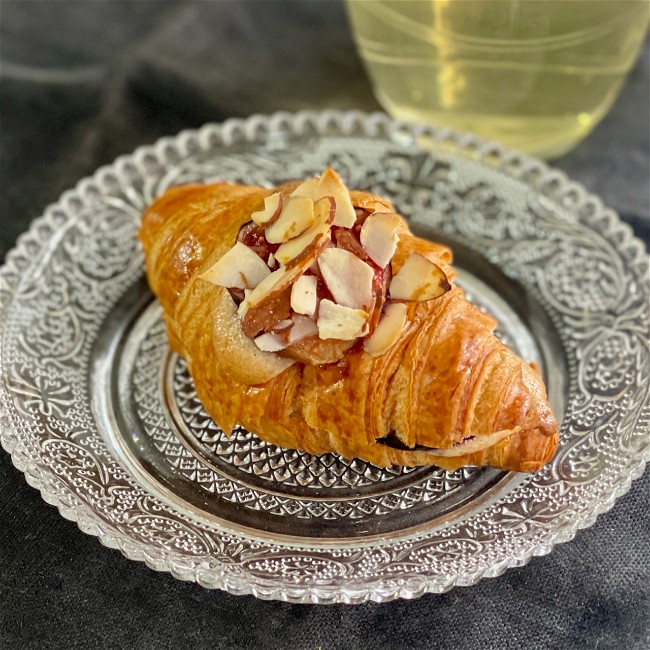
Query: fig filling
(468,445)
(354,298)
(391,440)
(251,235)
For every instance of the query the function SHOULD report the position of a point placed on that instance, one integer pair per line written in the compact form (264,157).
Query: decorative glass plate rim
(548,181)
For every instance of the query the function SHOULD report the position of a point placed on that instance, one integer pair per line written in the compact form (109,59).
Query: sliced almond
(243,305)
(306,189)
(297,215)
(303,326)
(419,279)
(330,184)
(279,278)
(239,268)
(338,322)
(310,243)
(269,342)
(269,302)
(271,263)
(381,283)
(379,236)
(347,277)
(303,295)
(349,240)
(283,325)
(315,269)
(388,330)
(265,316)
(325,210)
(271,211)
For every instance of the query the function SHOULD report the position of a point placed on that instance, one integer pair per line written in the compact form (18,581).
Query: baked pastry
(313,317)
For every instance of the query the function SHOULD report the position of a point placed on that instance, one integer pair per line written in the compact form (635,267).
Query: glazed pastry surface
(443,387)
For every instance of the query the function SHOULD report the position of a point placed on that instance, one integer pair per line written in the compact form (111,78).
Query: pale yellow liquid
(536,75)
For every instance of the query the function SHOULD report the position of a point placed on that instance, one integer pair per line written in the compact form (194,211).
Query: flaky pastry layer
(447,382)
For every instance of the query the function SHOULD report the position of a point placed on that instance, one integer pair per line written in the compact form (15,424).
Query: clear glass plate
(104,420)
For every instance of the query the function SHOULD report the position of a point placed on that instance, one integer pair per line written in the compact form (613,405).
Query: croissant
(391,365)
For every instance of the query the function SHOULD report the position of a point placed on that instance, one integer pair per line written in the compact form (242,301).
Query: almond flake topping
(319,282)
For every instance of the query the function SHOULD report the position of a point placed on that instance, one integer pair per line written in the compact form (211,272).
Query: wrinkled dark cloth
(83,82)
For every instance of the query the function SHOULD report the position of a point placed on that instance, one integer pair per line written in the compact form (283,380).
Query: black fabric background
(83,82)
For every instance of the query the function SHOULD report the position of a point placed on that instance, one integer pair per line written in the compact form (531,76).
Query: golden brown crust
(445,380)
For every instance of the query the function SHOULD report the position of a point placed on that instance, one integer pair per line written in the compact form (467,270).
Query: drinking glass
(536,75)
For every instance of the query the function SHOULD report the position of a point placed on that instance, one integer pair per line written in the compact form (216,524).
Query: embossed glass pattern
(103,418)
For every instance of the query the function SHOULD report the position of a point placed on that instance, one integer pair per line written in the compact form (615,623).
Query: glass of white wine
(536,75)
